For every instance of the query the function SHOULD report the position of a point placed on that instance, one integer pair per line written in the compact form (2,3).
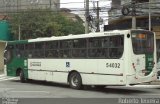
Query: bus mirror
(128,35)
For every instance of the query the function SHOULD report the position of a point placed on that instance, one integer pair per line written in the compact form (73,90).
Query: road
(11,87)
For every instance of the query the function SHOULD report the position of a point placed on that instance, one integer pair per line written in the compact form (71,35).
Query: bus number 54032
(113,65)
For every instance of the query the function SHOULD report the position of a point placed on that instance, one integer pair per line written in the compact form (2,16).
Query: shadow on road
(122,90)
(44,83)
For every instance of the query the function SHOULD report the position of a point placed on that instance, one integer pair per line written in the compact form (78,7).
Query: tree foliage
(43,23)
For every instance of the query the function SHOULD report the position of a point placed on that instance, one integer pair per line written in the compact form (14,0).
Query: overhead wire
(103,9)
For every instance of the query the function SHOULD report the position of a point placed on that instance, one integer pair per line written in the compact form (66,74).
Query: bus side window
(105,42)
(19,50)
(39,50)
(96,46)
(79,48)
(116,47)
(10,47)
(65,49)
(48,54)
(30,49)
(95,42)
(8,53)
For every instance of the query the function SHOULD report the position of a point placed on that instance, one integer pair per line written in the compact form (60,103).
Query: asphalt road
(12,90)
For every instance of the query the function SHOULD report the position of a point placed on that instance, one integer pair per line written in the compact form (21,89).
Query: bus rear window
(142,42)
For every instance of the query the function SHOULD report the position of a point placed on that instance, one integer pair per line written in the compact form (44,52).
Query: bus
(118,57)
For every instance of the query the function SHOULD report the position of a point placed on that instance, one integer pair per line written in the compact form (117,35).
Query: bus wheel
(75,81)
(22,77)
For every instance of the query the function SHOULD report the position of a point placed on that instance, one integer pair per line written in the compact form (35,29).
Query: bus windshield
(142,42)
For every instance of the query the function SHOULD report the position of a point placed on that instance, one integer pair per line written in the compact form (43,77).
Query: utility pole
(133,15)
(98,29)
(50,4)
(17,5)
(133,22)
(149,22)
(87,16)
(19,32)
(19,26)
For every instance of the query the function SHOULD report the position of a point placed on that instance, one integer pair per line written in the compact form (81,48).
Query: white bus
(120,57)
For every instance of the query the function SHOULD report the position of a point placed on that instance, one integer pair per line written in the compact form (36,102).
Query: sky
(77,6)
(80,3)
(72,4)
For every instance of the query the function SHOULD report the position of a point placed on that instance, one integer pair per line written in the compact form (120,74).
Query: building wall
(117,20)
(2,46)
(17,5)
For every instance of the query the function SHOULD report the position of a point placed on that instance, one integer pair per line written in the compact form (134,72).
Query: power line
(104,9)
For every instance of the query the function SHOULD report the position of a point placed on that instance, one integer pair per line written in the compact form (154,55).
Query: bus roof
(18,41)
(98,34)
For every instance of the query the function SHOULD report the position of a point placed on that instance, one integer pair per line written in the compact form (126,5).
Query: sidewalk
(156,82)
(1,72)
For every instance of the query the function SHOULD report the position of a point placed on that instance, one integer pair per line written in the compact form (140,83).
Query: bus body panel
(93,71)
(127,57)
(132,80)
(138,66)
(124,70)
(60,68)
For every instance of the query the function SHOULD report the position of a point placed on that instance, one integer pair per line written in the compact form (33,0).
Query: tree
(43,23)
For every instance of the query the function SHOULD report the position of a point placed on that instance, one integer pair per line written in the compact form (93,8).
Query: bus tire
(22,77)
(75,80)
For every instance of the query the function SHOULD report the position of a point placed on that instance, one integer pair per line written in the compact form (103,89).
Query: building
(142,14)
(14,6)
(7,6)
(119,21)
(4,36)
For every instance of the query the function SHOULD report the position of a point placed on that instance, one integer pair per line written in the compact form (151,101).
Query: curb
(156,82)
(2,75)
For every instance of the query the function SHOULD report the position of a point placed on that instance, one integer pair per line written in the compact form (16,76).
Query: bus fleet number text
(113,65)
